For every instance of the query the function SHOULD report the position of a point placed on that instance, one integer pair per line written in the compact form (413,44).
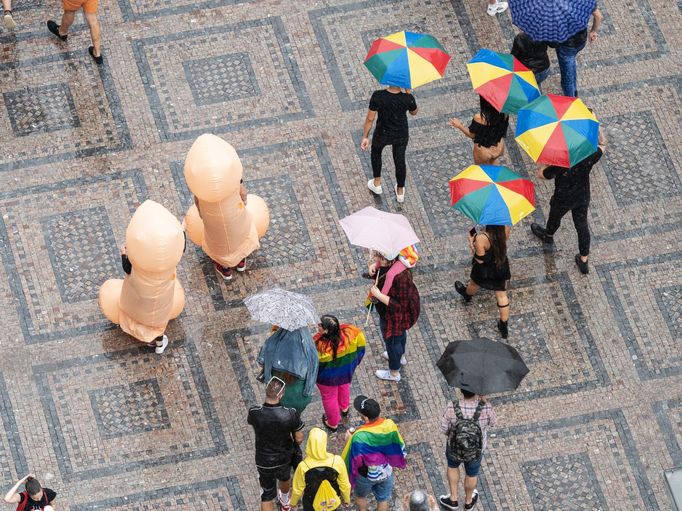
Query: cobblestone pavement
(109,424)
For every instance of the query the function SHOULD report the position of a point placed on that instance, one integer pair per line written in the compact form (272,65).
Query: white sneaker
(400,198)
(497,8)
(403,360)
(164,343)
(384,374)
(374,189)
(284,499)
(9,22)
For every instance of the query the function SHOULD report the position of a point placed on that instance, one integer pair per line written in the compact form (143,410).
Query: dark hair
(332,338)
(33,486)
(491,116)
(273,389)
(467,394)
(498,243)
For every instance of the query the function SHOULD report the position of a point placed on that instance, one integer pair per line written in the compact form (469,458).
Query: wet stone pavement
(110,425)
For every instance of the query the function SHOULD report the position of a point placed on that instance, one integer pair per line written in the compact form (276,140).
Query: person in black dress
(488,130)
(490,270)
(391,105)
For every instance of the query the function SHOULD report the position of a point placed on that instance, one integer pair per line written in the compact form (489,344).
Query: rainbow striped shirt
(348,356)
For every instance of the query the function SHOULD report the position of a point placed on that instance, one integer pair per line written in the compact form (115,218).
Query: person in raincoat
(291,356)
(318,466)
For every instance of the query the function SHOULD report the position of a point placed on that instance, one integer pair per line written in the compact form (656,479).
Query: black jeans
(578,210)
(399,146)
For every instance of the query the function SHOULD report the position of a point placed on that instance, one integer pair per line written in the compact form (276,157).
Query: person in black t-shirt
(571,193)
(35,497)
(279,433)
(390,107)
(533,55)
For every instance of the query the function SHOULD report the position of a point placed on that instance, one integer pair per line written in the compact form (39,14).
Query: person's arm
(492,417)
(479,247)
(12,497)
(413,104)
(376,292)
(297,429)
(457,124)
(298,437)
(51,496)
(445,420)
(298,485)
(342,480)
(597,18)
(601,141)
(369,120)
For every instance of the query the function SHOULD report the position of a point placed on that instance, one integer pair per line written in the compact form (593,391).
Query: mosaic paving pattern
(85,407)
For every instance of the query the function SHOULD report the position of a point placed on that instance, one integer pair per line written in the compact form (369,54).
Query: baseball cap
(367,407)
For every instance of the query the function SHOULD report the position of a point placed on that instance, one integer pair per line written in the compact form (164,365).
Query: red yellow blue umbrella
(503,80)
(557,130)
(492,195)
(406,59)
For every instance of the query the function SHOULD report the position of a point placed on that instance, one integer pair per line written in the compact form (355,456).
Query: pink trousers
(334,399)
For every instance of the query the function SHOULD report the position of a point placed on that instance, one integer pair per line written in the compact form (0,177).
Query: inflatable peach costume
(226,228)
(146,300)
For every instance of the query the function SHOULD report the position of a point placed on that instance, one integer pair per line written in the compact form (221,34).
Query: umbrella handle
(371,304)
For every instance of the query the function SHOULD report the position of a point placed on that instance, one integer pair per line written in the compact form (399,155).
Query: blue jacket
(293,352)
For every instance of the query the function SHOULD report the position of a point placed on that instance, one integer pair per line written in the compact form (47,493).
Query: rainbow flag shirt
(372,445)
(348,356)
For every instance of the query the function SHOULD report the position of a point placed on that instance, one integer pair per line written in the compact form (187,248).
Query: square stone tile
(41,109)
(164,420)
(216,63)
(77,249)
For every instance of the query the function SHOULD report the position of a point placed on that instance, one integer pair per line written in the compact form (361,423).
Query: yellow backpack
(322,489)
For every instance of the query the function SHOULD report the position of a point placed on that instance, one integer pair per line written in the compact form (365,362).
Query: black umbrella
(482,366)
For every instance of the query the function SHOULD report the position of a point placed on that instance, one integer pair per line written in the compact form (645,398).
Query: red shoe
(242,265)
(225,273)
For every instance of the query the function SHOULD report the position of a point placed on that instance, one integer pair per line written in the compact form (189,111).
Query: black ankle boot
(462,290)
(503,327)
(541,233)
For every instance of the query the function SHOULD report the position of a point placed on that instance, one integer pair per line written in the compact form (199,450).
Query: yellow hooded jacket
(317,456)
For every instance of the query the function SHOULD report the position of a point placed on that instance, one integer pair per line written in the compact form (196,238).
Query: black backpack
(466,437)
(314,477)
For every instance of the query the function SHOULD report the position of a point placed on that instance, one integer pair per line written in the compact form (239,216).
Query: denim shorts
(382,490)
(471,468)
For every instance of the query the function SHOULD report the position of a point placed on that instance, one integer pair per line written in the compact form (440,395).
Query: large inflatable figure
(220,222)
(150,295)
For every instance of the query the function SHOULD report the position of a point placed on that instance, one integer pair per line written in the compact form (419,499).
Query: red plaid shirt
(403,307)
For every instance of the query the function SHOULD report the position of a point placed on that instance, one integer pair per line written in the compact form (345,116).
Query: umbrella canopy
(406,59)
(557,130)
(553,21)
(502,80)
(387,233)
(482,366)
(492,195)
(282,308)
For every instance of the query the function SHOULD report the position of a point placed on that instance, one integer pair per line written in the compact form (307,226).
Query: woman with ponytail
(340,349)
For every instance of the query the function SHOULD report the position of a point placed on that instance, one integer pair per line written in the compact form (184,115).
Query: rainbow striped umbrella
(503,80)
(406,59)
(557,130)
(492,195)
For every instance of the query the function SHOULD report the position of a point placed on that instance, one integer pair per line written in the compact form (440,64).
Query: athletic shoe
(403,360)
(541,233)
(474,499)
(242,265)
(8,20)
(399,197)
(374,189)
(497,8)
(384,374)
(164,343)
(444,501)
(225,273)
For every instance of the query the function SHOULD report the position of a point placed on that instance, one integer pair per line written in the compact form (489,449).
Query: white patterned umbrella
(282,308)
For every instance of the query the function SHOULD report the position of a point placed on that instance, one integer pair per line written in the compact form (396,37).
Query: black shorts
(268,477)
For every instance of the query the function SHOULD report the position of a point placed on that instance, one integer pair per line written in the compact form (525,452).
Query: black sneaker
(99,59)
(462,290)
(503,327)
(54,28)
(582,265)
(474,499)
(541,233)
(444,501)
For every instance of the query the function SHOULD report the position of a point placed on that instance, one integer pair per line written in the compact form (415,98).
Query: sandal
(327,426)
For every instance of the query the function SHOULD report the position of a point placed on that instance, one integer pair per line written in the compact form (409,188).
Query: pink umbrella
(387,233)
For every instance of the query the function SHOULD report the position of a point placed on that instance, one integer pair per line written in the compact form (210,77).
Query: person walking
(389,106)
(90,14)
(568,50)
(466,423)
(279,432)
(371,453)
(489,270)
(340,349)
(7,18)
(34,496)
(571,193)
(488,130)
(496,7)
(533,55)
(398,308)
(317,467)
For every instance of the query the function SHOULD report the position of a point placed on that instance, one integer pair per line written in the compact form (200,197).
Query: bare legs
(91,19)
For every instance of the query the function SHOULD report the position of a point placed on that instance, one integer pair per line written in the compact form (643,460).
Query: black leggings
(399,147)
(579,212)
